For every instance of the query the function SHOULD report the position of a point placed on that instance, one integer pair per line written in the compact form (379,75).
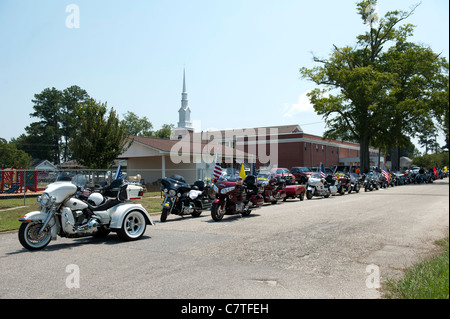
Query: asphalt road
(318,248)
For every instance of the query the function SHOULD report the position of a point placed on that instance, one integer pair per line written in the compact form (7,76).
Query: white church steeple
(184,115)
(184,111)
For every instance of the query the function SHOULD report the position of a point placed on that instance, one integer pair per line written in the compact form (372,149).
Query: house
(155,158)
(43,165)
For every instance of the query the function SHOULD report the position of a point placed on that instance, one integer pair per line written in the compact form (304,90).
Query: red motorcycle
(274,189)
(236,197)
(343,183)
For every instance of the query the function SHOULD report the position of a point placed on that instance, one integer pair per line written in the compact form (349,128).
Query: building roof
(166,146)
(252,131)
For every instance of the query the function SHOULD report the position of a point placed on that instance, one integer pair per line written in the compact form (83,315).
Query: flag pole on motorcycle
(119,173)
(217,172)
(385,173)
(242,171)
(322,171)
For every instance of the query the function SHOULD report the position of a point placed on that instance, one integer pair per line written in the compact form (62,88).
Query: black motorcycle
(181,198)
(371,182)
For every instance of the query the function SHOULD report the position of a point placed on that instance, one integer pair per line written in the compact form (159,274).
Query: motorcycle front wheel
(164,213)
(133,226)
(30,238)
(217,212)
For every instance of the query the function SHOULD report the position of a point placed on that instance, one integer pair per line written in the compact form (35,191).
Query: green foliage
(165,131)
(10,156)
(374,94)
(49,137)
(138,126)
(432,160)
(100,137)
(143,127)
(425,280)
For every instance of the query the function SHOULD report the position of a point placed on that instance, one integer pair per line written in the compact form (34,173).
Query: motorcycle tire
(133,226)
(29,237)
(164,214)
(196,213)
(246,213)
(217,212)
(309,194)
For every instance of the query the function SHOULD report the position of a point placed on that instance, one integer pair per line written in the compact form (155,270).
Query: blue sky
(241,56)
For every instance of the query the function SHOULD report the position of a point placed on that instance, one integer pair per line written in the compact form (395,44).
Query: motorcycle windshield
(175,184)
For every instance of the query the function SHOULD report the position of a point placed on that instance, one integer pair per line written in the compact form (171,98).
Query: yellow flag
(242,172)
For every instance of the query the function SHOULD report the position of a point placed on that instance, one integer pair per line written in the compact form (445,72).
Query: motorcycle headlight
(216,189)
(172,192)
(227,189)
(45,199)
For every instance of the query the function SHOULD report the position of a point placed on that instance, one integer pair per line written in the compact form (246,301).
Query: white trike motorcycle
(65,212)
(320,186)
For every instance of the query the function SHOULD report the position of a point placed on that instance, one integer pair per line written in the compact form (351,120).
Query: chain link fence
(28,184)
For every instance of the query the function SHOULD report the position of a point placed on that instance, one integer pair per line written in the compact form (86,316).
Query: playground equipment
(16,180)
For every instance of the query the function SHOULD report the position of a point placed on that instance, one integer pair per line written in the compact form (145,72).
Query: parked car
(284,173)
(301,174)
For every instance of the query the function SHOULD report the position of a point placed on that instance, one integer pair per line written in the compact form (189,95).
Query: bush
(432,160)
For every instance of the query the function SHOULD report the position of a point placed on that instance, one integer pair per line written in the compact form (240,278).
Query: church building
(283,146)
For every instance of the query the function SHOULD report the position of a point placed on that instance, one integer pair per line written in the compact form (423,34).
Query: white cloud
(303,105)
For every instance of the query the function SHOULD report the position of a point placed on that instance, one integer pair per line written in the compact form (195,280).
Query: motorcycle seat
(109,202)
(200,185)
(250,183)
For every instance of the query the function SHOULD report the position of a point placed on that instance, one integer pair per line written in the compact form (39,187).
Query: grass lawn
(9,219)
(425,280)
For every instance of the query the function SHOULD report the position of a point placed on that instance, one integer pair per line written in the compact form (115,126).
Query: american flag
(217,170)
(119,173)
(385,173)
(322,171)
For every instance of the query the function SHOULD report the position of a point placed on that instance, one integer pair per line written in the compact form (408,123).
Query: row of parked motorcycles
(71,211)
(227,196)
(231,195)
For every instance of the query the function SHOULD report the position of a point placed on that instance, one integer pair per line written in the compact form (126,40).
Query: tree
(70,98)
(10,156)
(138,126)
(372,94)
(46,107)
(99,137)
(165,131)
(49,138)
(437,160)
